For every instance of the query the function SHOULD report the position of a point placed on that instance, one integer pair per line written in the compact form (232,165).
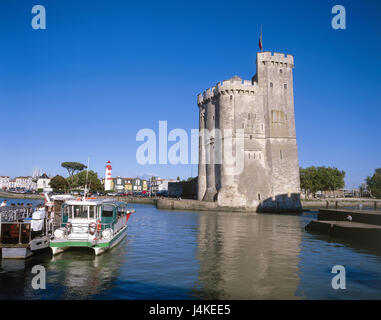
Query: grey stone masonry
(257,116)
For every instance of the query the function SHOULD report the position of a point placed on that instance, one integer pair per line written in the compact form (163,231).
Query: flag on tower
(260,41)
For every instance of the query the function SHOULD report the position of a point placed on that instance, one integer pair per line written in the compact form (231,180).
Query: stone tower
(257,117)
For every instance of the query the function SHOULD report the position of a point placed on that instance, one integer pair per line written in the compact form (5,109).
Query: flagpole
(261,40)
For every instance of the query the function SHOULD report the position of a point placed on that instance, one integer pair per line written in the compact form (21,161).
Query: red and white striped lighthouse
(108,178)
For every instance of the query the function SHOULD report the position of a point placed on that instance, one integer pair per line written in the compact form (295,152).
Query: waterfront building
(25,183)
(118,184)
(137,185)
(263,110)
(159,185)
(4,182)
(145,185)
(128,184)
(12,184)
(43,183)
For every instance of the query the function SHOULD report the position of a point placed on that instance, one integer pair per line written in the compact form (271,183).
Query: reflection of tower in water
(248,256)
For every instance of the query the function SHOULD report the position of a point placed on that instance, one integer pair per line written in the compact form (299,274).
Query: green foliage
(374,183)
(313,179)
(93,182)
(59,183)
(72,168)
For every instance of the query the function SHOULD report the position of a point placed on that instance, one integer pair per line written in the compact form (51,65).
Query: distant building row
(155,184)
(25,183)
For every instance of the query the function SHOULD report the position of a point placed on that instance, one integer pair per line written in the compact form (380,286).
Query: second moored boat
(91,223)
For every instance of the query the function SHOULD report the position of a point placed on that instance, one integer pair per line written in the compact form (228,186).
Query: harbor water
(203,255)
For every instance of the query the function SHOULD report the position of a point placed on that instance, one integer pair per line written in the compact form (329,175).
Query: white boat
(24,231)
(96,224)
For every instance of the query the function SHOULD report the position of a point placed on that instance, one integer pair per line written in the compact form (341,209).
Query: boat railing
(15,232)
(15,213)
(19,232)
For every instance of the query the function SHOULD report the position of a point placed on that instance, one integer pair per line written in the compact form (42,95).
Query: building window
(243,125)
(285,85)
(271,84)
(281,154)
(281,71)
(251,137)
(248,116)
(249,155)
(231,97)
(259,196)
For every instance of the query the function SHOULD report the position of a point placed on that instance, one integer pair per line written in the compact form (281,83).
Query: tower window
(231,97)
(251,137)
(243,125)
(259,196)
(281,154)
(248,116)
(281,71)
(271,84)
(285,85)
(213,117)
(249,155)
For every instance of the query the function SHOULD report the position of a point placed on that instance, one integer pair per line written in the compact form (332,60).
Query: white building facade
(4,182)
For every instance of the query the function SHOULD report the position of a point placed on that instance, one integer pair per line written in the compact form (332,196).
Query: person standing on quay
(3,204)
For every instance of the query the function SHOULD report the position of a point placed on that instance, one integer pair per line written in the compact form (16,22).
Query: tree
(93,182)
(72,168)
(374,183)
(313,179)
(59,183)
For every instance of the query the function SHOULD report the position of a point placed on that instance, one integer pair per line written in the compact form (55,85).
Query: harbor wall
(186,204)
(11,195)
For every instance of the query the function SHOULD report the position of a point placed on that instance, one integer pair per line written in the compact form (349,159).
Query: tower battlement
(279,58)
(232,86)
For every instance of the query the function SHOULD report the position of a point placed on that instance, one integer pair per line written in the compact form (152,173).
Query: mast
(87,176)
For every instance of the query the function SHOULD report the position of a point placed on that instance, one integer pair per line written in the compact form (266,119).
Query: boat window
(80,212)
(107,211)
(92,212)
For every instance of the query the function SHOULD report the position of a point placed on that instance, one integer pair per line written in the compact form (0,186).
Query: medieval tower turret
(254,121)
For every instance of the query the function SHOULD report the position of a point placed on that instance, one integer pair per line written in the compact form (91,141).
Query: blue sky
(102,70)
